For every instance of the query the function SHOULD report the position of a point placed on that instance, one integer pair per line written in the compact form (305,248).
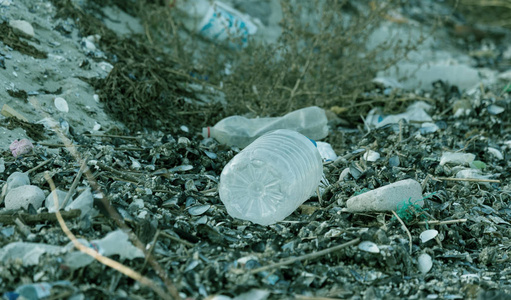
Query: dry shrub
(320,58)
(489,12)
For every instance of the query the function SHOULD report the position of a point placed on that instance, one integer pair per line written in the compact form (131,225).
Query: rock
(387,198)
(15,180)
(22,28)
(22,196)
(425,263)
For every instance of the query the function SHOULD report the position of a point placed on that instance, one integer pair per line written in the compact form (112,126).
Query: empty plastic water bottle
(216,21)
(270,178)
(240,131)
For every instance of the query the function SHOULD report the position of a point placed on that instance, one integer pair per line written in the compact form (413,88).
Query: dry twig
(313,255)
(405,229)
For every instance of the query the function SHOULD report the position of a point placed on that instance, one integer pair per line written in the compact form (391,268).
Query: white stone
(61,104)
(425,263)
(15,180)
(22,28)
(388,197)
(23,196)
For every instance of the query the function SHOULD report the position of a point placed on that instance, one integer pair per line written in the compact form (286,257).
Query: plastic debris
(428,235)
(456,158)
(428,127)
(49,202)
(495,152)
(326,151)
(36,291)
(2,165)
(114,243)
(414,113)
(387,198)
(83,202)
(369,246)
(265,182)
(27,253)
(425,263)
(20,147)
(240,131)
(371,156)
(217,21)
(495,109)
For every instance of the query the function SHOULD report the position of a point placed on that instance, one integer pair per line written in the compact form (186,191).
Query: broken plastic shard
(457,158)
(368,246)
(428,235)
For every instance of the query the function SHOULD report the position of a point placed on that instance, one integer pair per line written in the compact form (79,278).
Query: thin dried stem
(405,229)
(102,259)
(305,257)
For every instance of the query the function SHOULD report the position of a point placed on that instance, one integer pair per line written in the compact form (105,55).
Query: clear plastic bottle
(216,21)
(269,179)
(240,131)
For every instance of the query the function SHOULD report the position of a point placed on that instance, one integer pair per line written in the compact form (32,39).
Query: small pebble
(428,235)
(425,263)
(23,196)
(61,104)
(22,28)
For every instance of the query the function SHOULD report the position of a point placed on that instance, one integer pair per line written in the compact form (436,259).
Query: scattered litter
(495,152)
(240,131)
(326,151)
(456,158)
(42,290)
(428,235)
(371,156)
(263,183)
(414,113)
(369,246)
(387,198)
(21,147)
(495,109)
(114,243)
(428,127)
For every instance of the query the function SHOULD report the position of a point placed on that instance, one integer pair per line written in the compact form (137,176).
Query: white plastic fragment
(387,198)
(425,263)
(414,113)
(326,151)
(49,202)
(369,246)
(61,104)
(428,235)
(457,158)
(471,173)
(83,202)
(22,28)
(495,109)
(2,165)
(23,196)
(495,152)
(429,127)
(371,156)
(27,253)
(114,243)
